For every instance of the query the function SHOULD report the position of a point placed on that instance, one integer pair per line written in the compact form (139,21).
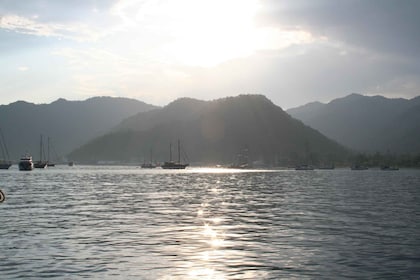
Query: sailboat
(5,163)
(49,164)
(172,164)
(242,160)
(41,163)
(149,164)
(305,166)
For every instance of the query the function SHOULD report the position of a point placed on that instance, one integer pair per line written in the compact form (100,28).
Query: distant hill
(213,132)
(367,124)
(69,124)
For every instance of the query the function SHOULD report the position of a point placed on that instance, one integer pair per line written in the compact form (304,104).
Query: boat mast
(48,151)
(179,152)
(151,155)
(170,152)
(4,147)
(40,149)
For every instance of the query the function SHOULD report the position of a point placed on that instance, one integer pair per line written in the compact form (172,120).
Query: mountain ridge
(366,123)
(214,131)
(69,124)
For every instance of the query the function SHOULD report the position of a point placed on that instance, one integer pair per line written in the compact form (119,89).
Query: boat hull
(5,165)
(359,167)
(389,168)
(174,165)
(148,166)
(26,166)
(304,167)
(40,164)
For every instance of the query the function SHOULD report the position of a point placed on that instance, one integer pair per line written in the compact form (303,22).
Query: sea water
(119,222)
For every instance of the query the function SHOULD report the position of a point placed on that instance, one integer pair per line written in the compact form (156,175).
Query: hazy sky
(293,52)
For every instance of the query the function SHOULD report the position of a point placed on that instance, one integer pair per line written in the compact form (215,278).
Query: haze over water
(129,223)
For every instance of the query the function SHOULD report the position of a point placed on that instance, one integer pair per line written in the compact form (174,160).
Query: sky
(292,51)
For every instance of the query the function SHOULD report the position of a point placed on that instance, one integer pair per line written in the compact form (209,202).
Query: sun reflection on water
(212,244)
(206,263)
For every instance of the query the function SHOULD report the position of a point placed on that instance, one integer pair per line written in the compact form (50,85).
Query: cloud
(386,25)
(56,11)
(292,51)
(302,74)
(78,32)
(23,68)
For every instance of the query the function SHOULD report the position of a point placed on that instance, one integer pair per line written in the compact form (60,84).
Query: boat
(307,159)
(71,163)
(389,168)
(150,164)
(304,167)
(242,160)
(239,166)
(5,163)
(41,163)
(49,164)
(359,167)
(25,163)
(172,164)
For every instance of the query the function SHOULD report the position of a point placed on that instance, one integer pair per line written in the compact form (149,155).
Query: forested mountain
(367,123)
(213,132)
(69,124)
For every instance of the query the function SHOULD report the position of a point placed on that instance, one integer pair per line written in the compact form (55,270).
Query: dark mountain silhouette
(367,124)
(69,124)
(213,132)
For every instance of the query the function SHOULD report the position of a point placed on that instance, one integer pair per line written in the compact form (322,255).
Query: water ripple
(128,223)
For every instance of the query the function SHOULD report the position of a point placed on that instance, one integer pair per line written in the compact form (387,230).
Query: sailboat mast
(151,155)
(170,152)
(48,151)
(40,149)
(179,152)
(4,147)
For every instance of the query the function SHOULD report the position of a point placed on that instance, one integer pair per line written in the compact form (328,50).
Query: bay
(124,222)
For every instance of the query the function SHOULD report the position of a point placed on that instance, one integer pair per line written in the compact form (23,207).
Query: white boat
(25,163)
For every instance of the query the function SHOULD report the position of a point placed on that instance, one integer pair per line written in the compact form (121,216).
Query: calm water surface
(129,223)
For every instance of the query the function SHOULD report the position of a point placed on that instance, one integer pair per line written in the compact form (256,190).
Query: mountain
(69,124)
(213,132)
(366,123)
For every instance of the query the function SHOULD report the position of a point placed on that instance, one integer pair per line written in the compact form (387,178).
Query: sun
(190,32)
(198,32)
(207,33)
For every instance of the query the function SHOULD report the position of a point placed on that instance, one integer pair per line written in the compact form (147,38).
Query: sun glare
(209,32)
(199,33)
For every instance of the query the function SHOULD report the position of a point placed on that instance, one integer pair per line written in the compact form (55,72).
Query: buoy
(2,196)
